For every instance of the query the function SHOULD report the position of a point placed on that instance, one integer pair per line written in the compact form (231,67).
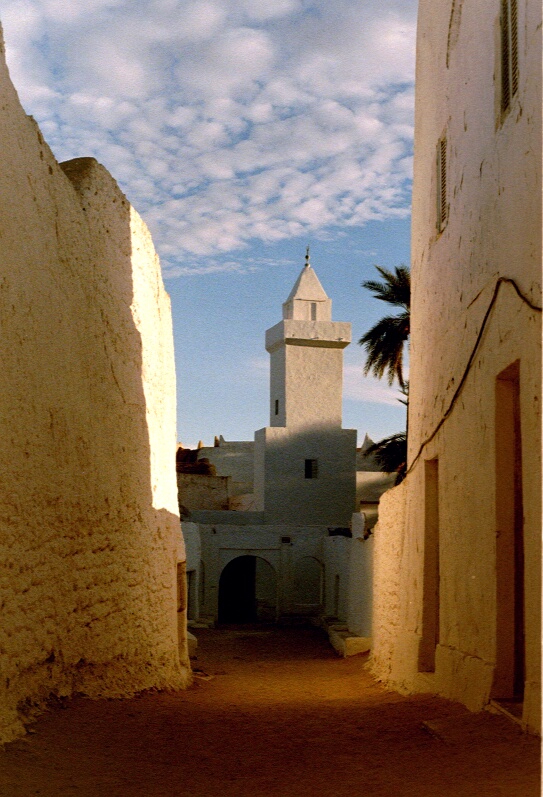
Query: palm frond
(396,287)
(391,454)
(384,344)
(405,390)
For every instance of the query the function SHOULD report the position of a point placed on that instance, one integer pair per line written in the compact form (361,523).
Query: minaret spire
(307,299)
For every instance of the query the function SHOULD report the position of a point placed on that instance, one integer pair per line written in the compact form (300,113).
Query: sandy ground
(272,712)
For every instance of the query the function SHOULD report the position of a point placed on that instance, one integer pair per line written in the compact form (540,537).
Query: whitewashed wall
(493,230)
(89,513)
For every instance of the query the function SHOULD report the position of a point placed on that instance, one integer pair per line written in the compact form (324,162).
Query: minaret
(306,348)
(307,300)
(304,461)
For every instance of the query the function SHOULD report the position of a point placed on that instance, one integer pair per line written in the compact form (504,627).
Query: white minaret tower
(306,349)
(305,461)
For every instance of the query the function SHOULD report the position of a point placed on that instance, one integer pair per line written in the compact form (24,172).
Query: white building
(284,550)
(305,463)
(458,546)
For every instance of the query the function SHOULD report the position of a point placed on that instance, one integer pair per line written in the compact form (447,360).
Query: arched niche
(308,582)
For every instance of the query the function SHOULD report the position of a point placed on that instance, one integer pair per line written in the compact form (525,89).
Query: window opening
(313,311)
(311,468)
(277,406)
(509,51)
(442,208)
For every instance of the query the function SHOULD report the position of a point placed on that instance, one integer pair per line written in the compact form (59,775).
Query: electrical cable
(501,281)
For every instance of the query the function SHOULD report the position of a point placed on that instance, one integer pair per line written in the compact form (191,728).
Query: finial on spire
(307,263)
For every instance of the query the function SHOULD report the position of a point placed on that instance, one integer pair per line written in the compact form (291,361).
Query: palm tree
(384,342)
(391,454)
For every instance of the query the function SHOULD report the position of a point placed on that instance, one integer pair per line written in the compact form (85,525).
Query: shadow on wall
(89,523)
(309,583)
(306,476)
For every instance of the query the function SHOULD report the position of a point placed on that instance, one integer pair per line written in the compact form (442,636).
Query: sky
(242,131)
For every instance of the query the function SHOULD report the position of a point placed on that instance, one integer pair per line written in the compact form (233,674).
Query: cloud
(358,387)
(210,267)
(226,122)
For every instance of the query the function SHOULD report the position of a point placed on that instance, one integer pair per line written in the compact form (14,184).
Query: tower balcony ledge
(328,334)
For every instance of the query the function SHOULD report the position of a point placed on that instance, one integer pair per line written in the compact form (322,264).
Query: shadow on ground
(271,712)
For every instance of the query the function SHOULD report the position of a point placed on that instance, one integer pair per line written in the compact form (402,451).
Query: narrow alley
(271,712)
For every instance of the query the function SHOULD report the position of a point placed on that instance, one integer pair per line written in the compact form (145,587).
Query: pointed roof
(366,444)
(307,286)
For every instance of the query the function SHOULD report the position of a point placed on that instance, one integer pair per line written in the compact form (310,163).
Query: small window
(442,207)
(509,51)
(277,406)
(311,468)
(313,311)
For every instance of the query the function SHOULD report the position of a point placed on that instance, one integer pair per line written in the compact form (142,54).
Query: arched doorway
(247,591)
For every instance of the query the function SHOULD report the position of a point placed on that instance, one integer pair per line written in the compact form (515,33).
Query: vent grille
(442,208)
(509,39)
(514,46)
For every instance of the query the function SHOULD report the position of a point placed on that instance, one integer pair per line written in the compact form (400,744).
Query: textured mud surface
(272,712)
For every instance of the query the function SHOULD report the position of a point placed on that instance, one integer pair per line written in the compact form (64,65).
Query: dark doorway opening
(509,674)
(247,591)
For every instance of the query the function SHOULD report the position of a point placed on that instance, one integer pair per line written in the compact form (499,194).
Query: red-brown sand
(279,715)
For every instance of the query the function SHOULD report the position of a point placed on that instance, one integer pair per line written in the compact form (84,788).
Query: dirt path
(281,716)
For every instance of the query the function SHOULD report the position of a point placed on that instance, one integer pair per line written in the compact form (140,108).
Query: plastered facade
(202,491)
(221,543)
(280,484)
(89,527)
(306,372)
(234,459)
(475,323)
(315,574)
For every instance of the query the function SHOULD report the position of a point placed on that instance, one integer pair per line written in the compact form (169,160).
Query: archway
(247,591)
